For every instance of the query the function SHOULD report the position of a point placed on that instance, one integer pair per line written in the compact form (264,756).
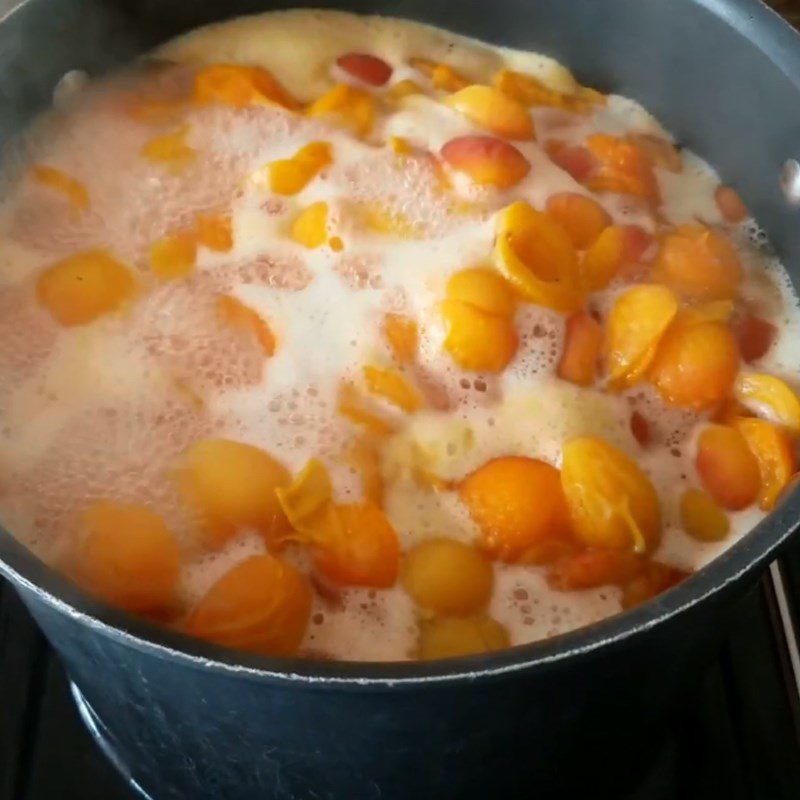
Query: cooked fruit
(702,518)
(516,502)
(535,255)
(86,286)
(592,568)
(638,320)
(582,217)
(583,340)
(461,636)
(776,456)
(366,67)
(128,557)
(612,503)
(727,468)
(770,397)
(174,256)
(233,485)
(345,105)
(491,109)
(486,160)
(239,86)
(698,263)
(695,364)
(261,605)
(447,577)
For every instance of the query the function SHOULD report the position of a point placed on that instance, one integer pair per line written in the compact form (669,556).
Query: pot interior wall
(687,61)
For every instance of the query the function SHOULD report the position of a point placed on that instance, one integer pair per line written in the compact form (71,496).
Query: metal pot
(185,719)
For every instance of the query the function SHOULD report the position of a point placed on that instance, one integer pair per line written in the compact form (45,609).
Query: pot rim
(765,29)
(732,566)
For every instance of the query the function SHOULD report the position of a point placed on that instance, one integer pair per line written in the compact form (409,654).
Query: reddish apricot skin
(261,605)
(582,217)
(516,502)
(489,161)
(654,579)
(362,549)
(727,468)
(592,568)
(695,365)
(582,343)
(755,336)
(366,68)
(730,205)
(575,160)
(640,428)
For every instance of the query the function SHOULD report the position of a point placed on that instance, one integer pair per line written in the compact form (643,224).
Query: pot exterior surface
(587,724)
(725,78)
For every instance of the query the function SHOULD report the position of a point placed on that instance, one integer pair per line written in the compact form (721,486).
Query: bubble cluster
(122,452)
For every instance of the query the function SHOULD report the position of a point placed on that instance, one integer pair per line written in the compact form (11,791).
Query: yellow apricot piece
(447,577)
(234,313)
(382,220)
(769,397)
(484,289)
(85,286)
(536,256)
(351,107)
(304,500)
(443,76)
(531,91)
(354,544)
(352,406)
(170,149)
(239,86)
(702,518)
(775,453)
(400,145)
(215,232)
(402,334)
(310,227)
(404,88)
(59,180)
(461,636)
(638,320)
(291,175)
(174,256)
(478,341)
(233,485)
(128,557)
(491,109)
(612,503)
(393,386)
(698,263)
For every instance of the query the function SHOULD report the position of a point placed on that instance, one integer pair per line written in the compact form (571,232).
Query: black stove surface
(737,738)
